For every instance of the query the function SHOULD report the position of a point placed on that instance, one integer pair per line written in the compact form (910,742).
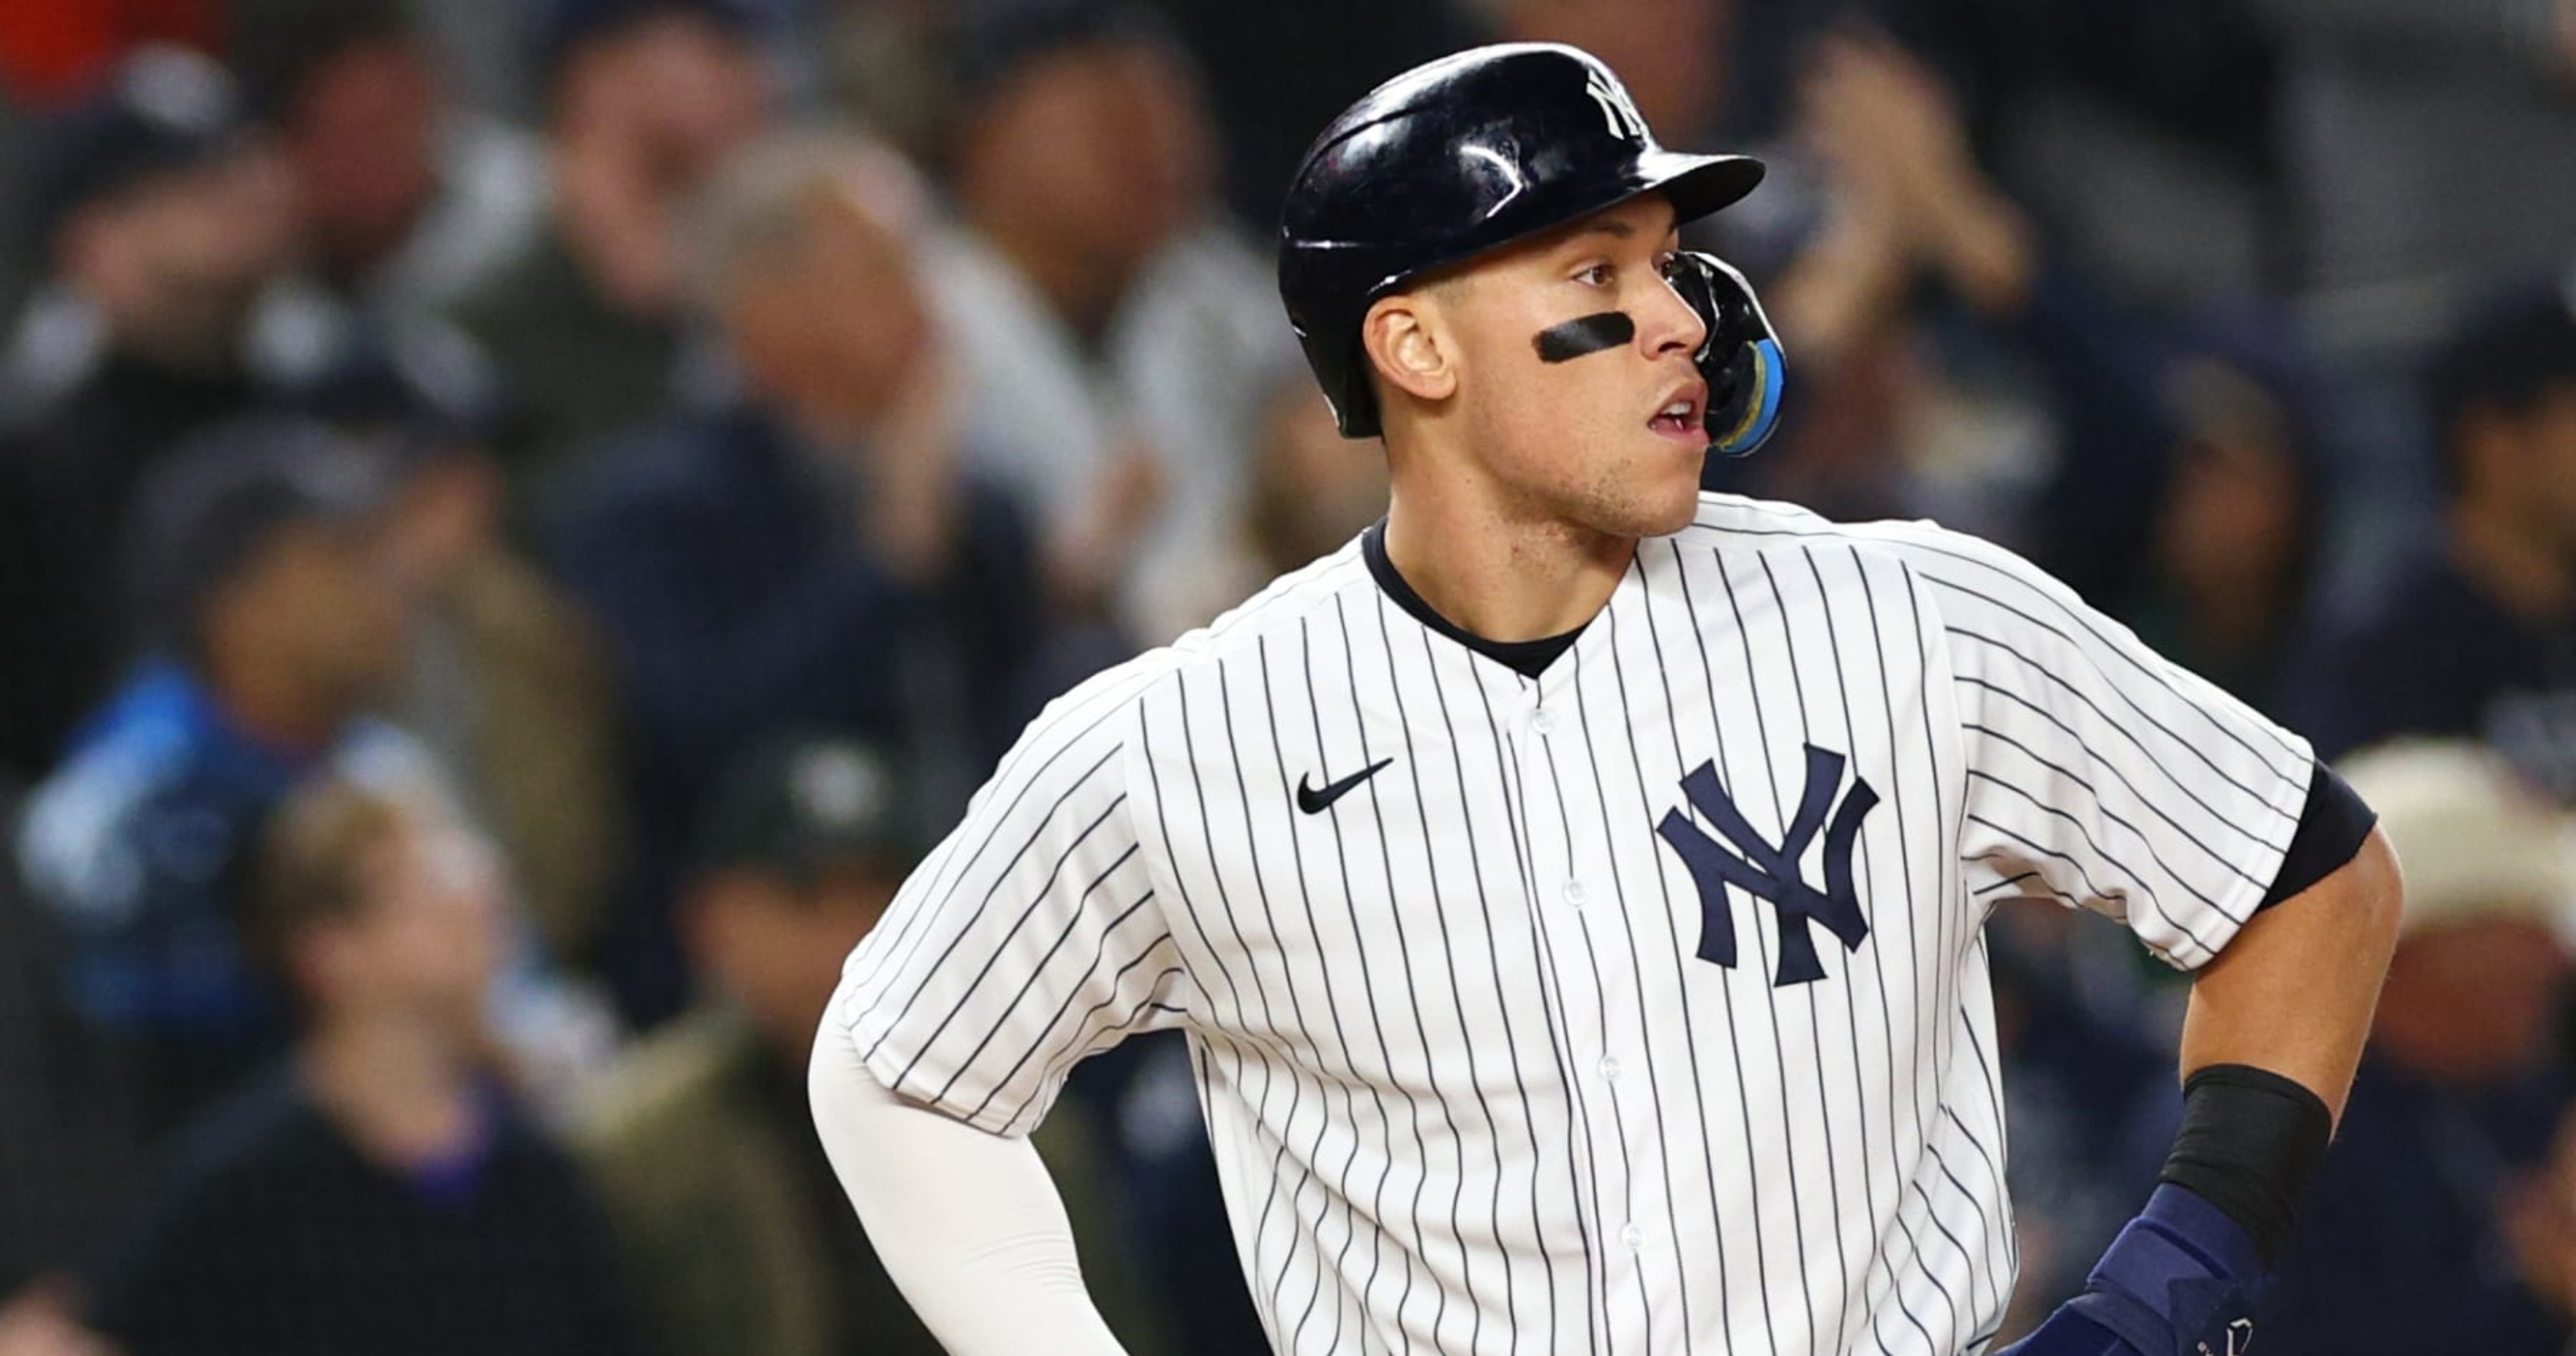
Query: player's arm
(2273,1033)
(2097,775)
(967,1223)
(1034,935)
(2294,992)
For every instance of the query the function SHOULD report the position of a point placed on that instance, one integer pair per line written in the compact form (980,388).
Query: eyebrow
(1619,230)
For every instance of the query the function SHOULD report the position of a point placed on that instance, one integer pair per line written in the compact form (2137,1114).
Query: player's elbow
(831,1072)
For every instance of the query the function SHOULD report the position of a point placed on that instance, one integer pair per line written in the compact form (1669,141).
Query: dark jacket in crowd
(578,369)
(270,1234)
(2433,654)
(729,574)
(2399,1245)
(733,1230)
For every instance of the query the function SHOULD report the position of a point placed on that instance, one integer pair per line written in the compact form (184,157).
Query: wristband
(2250,1140)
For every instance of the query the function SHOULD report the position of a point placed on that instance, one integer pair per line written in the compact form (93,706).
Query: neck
(402,1090)
(2233,618)
(187,337)
(1495,574)
(1081,292)
(790,1051)
(2532,577)
(824,420)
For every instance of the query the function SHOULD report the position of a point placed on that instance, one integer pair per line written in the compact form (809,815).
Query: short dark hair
(221,498)
(565,28)
(994,40)
(281,45)
(2512,353)
(161,111)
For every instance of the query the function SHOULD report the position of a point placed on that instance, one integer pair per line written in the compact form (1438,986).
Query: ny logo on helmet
(1625,122)
(1771,872)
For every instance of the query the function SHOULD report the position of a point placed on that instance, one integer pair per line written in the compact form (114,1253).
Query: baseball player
(1572,889)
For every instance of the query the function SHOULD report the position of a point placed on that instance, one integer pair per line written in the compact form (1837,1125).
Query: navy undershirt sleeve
(2332,827)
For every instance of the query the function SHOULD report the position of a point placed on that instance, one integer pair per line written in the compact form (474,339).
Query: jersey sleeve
(1033,936)
(2098,773)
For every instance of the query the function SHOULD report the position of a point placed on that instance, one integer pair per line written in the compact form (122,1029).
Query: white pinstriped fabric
(1489,1064)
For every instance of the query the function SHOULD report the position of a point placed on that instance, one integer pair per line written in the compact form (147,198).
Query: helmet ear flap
(1740,359)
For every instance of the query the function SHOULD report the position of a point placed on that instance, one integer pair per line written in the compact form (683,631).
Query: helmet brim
(1698,185)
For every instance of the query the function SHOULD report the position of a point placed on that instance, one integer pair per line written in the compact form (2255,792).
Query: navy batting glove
(2180,1280)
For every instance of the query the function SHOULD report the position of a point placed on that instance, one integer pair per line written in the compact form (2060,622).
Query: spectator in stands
(159,221)
(2431,1226)
(265,562)
(1881,194)
(2188,498)
(379,1193)
(2478,635)
(2425,152)
(1113,339)
(1309,491)
(644,100)
(813,553)
(701,1143)
(2142,137)
(405,194)
(506,685)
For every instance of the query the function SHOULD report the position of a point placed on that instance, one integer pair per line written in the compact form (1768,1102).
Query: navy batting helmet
(1475,151)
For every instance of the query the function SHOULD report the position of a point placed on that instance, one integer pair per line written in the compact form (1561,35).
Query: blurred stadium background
(519,519)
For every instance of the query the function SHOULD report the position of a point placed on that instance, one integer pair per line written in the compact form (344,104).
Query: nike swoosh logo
(1313,801)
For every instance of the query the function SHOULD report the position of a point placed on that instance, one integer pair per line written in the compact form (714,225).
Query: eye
(1596,275)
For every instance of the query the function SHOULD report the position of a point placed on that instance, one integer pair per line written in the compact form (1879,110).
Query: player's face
(1576,383)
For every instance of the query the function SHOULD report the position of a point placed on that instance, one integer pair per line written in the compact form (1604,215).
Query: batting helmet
(1462,155)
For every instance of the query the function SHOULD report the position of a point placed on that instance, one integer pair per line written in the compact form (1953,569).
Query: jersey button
(1610,1068)
(1575,895)
(1544,721)
(1632,1236)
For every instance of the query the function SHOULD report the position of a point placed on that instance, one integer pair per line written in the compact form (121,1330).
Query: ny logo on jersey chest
(1769,871)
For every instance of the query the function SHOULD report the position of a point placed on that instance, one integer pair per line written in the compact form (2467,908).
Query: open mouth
(1680,416)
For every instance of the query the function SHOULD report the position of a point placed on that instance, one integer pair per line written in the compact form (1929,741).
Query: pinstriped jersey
(1640,1006)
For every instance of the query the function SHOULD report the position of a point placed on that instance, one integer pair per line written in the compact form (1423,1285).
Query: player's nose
(1668,324)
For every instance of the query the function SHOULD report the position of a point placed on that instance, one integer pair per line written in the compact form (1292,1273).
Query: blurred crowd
(521,522)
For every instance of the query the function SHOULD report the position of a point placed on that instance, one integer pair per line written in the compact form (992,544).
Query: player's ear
(1408,344)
